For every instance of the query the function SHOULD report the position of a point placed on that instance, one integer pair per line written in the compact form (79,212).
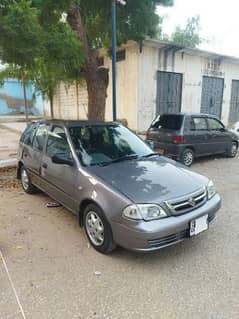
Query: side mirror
(222,129)
(62,158)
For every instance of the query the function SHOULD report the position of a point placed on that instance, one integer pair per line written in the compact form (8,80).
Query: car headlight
(211,190)
(144,211)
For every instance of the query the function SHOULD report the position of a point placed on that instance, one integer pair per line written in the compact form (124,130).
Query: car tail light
(178,139)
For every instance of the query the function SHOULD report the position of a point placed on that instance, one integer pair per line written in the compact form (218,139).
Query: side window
(199,124)
(26,133)
(30,137)
(40,137)
(214,125)
(57,143)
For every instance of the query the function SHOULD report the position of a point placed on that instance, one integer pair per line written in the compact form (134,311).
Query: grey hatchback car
(122,192)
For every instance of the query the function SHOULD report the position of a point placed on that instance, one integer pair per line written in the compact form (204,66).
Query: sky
(219,22)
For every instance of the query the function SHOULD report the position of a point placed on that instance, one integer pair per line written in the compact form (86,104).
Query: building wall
(127,89)
(72,103)
(193,68)
(137,85)
(147,87)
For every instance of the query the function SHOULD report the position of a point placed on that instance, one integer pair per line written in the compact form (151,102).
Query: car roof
(192,114)
(75,123)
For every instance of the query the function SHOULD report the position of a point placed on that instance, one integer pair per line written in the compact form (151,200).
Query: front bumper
(153,235)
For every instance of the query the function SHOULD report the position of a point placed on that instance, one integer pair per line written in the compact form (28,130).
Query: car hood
(151,180)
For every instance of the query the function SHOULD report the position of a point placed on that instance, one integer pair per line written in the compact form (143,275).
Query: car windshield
(168,122)
(106,144)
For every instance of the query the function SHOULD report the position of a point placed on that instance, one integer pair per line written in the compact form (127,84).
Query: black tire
(233,150)
(187,157)
(105,243)
(27,185)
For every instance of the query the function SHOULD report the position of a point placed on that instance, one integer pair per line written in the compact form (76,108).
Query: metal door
(169,92)
(212,95)
(234,103)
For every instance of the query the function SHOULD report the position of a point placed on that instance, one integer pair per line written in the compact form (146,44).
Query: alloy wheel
(95,228)
(234,149)
(188,158)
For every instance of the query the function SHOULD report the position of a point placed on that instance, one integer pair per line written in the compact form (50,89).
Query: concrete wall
(147,87)
(127,89)
(193,68)
(137,85)
(12,99)
(70,103)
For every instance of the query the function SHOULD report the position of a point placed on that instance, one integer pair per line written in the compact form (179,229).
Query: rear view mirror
(61,158)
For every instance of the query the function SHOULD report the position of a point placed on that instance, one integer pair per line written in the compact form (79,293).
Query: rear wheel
(187,157)
(98,229)
(233,150)
(27,185)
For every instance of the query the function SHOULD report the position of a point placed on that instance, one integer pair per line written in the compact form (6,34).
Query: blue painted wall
(11,99)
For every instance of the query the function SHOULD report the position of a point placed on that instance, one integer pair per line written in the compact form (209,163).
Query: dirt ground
(8,143)
(57,275)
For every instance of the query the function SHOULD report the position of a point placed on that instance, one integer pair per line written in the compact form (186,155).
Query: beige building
(158,77)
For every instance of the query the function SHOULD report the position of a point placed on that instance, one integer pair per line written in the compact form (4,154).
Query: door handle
(44,165)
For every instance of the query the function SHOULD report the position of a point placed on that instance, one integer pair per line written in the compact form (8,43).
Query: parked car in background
(122,193)
(187,136)
(235,129)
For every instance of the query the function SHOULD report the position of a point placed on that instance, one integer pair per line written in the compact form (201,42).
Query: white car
(235,128)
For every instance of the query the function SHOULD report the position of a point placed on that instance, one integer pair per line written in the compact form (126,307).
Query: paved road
(53,268)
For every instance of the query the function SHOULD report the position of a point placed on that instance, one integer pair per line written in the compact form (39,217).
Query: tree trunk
(51,107)
(97,78)
(25,100)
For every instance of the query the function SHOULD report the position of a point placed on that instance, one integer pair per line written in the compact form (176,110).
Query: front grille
(187,203)
(168,240)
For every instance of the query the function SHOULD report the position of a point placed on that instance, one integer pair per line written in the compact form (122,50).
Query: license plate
(198,225)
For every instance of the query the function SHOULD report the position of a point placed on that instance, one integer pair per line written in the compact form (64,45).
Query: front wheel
(233,150)
(187,157)
(98,229)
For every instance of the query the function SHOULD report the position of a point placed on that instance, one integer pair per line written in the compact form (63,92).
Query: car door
(60,179)
(198,136)
(33,151)
(220,138)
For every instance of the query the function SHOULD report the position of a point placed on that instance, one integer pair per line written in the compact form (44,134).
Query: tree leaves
(188,36)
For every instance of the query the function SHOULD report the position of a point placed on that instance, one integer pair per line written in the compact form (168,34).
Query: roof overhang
(167,46)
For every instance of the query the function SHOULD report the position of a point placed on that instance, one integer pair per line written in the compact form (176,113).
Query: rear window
(169,122)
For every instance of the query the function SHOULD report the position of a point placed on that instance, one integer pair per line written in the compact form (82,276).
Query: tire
(187,157)
(233,150)
(101,238)
(27,185)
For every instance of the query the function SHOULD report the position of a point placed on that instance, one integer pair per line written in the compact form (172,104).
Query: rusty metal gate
(212,95)
(234,103)
(169,92)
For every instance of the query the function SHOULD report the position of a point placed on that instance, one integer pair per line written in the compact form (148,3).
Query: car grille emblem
(192,202)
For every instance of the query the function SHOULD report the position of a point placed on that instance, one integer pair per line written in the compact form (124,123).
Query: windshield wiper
(150,155)
(120,159)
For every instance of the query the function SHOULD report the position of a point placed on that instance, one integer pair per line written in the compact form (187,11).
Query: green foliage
(18,30)
(46,53)
(188,36)
(34,39)
(135,21)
